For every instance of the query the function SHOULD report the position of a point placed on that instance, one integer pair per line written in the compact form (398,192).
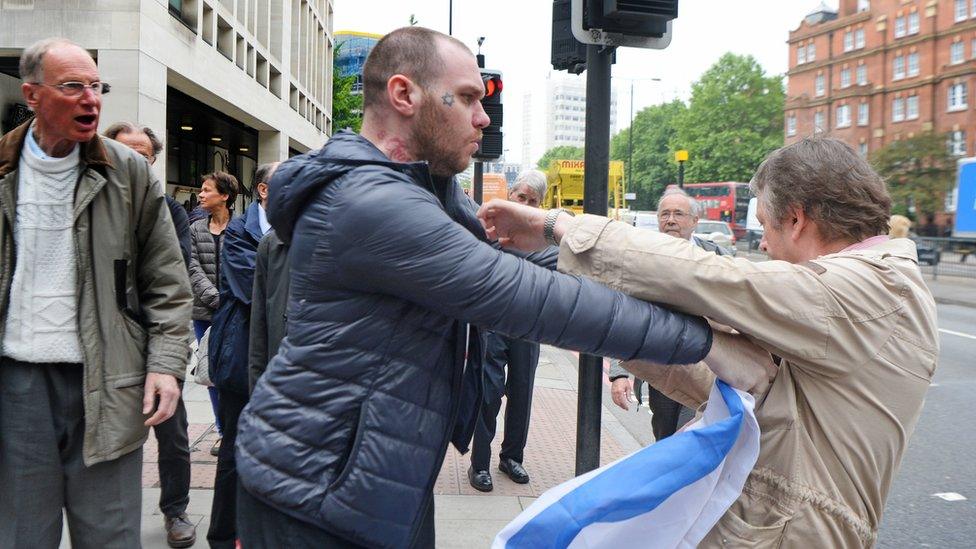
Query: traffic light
(629,23)
(491,139)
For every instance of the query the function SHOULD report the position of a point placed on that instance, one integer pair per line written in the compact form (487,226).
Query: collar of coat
(92,153)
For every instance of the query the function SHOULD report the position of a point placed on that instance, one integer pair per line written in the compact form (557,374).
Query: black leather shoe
(180,532)
(514,470)
(480,480)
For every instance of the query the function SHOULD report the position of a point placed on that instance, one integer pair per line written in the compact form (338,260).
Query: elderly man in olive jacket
(95,313)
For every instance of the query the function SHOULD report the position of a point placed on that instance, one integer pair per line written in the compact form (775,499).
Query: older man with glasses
(94,313)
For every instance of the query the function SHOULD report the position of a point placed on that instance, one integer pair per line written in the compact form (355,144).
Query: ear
(797,221)
(404,96)
(263,190)
(30,95)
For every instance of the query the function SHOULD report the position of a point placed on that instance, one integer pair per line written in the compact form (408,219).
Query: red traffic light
(493,86)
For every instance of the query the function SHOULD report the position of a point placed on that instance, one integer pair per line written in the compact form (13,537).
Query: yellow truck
(566,186)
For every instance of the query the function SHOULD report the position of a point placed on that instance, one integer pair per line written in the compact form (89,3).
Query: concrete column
(138,95)
(272,146)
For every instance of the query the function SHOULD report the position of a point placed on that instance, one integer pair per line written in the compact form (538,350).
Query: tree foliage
(562,152)
(919,171)
(653,168)
(347,107)
(734,119)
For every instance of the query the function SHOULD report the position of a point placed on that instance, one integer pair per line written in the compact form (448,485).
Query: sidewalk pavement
(465,518)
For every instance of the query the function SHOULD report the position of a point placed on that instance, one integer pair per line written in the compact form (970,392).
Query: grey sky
(518,34)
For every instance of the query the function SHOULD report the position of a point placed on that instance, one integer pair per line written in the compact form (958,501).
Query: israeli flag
(667,495)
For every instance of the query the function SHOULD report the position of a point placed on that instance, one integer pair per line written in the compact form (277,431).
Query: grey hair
(114,130)
(534,180)
(692,203)
(32,60)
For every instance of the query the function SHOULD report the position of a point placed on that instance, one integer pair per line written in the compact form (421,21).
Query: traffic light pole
(477,178)
(595,173)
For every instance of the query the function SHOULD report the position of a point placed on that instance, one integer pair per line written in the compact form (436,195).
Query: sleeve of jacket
(395,239)
(617,370)
(237,255)
(181,222)
(164,290)
(786,307)
(202,287)
(689,384)
(257,359)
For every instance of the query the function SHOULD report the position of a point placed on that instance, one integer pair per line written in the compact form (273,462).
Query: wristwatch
(550,225)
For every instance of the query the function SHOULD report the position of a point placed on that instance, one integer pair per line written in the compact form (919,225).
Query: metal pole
(595,174)
(450,17)
(630,142)
(681,175)
(477,181)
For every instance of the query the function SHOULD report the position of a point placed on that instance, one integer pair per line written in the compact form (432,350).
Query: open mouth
(86,119)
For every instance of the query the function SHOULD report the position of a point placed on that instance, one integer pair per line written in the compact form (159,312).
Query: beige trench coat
(858,341)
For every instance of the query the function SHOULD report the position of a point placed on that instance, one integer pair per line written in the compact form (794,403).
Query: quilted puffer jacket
(348,427)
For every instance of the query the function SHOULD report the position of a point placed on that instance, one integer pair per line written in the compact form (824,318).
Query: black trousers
(666,414)
(522,359)
(174,461)
(223,512)
(263,527)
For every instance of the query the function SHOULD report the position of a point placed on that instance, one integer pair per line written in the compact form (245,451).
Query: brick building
(876,71)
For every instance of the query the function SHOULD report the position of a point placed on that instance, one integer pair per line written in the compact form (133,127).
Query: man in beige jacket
(842,308)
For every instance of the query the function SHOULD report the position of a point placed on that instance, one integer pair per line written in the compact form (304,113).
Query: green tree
(919,171)
(653,168)
(562,152)
(347,107)
(734,119)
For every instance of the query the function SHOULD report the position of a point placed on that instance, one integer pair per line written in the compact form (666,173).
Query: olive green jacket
(133,292)
(858,340)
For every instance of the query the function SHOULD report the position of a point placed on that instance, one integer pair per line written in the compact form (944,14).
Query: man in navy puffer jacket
(346,430)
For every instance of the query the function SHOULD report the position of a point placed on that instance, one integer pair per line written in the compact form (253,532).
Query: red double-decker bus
(727,201)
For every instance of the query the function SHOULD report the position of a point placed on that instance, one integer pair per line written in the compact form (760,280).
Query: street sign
(494,185)
(630,196)
(966,201)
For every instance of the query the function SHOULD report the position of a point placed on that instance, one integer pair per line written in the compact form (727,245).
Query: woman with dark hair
(217,195)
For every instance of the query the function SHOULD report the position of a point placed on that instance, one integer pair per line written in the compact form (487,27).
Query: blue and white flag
(667,495)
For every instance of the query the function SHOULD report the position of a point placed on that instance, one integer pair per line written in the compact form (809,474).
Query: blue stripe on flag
(611,496)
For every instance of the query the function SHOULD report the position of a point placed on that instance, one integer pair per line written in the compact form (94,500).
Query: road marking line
(960,334)
(950,496)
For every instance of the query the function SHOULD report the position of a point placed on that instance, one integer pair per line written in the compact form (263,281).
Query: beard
(435,143)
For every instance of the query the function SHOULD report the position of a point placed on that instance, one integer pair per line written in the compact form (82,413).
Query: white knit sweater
(42,319)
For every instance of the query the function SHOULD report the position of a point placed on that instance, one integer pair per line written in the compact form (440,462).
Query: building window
(820,86)
(859,38)
(848,41)
(957,53)
(913,64)
(811,52)
(900,26)
(913,23)
(897,110)
(801,54)
(791,125)
(843,116)
(957,143)
(961,10)
(863,5)
(845,78)
(911,108)
(818,121)
(862,75)
(957,97)
(863,149)
(898,67)
(862,114)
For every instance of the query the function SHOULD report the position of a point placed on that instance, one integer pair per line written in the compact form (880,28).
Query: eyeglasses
(74,89)
(677,215)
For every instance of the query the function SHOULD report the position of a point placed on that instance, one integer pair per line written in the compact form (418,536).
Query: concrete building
(875,71)
(227,83)
(557,117)
(354,48)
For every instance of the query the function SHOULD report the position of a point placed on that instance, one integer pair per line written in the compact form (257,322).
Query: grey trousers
(42,427)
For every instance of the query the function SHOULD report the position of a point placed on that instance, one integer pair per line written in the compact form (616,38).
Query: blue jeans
(199,327)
